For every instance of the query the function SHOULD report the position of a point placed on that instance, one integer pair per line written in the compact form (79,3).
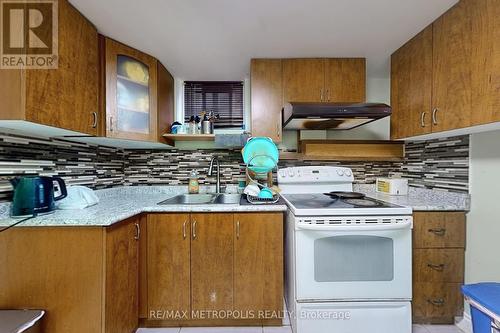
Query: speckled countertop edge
(117,204)
(421,199)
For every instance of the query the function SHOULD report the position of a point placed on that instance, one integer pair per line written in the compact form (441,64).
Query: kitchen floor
(283,329)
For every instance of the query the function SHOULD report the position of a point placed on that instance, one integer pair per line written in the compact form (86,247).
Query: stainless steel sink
(228,199)
(203,199)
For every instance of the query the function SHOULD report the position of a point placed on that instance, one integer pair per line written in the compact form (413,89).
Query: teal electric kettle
(35,195)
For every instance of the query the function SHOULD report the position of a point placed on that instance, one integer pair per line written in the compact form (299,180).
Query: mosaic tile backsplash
(441,164)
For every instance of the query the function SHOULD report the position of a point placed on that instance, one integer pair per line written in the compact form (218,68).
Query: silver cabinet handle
(194,229)
(422,119)
(434,116)
(439,267)
(237,229)
(184,235)
(436,302)
(111,124)
(438,232)
(94,121)
(137,231)
(328,95)
(321,94)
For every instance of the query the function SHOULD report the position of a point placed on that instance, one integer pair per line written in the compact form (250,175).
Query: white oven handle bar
(355,227)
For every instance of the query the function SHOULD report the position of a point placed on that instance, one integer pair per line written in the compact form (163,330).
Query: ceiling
(215,39)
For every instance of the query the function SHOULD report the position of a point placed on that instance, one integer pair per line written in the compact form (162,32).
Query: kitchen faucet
(210,172)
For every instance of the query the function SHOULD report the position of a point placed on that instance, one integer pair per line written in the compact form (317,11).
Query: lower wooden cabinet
(121,291)
(258,262)
(85,278)
(211,262)
(438,266)
(168,265)
(214,269)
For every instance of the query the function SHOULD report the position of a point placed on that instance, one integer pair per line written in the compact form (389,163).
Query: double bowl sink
(203,199)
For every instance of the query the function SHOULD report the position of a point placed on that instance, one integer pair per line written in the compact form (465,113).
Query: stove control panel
(315,174)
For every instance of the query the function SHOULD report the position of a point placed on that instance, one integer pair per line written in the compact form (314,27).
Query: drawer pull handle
(438,232)
(436,302)
(439,267)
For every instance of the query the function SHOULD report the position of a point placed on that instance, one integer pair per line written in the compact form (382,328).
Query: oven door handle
(356,227)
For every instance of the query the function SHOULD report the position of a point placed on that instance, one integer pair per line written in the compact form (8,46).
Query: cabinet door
(303,80)
(168,263)
(258,262)
(411,87)
(345,80)
(122,277)
(453,45)
(165,101)
(486,56)
(211,262)
(131,90)
(266,98)
(67,97)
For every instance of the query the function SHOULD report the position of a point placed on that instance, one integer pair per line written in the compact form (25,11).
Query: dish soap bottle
(194,184)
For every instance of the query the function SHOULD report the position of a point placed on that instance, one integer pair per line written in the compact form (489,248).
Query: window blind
(224,98)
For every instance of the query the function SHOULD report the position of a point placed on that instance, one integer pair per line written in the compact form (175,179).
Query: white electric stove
(348,257)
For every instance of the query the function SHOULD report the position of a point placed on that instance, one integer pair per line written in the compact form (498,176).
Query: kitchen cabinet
(168,263)
(438,266)
(214,262)
(324,80)
(275,82)
(66,97)
(455,64)
(86,277)
(131,93)
(345,80)
(258,262)
(121,290)
(411,87)
(266,97)
(303,80)
(452,69)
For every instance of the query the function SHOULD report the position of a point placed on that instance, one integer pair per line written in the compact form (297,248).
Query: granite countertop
(420,199)
(120,203)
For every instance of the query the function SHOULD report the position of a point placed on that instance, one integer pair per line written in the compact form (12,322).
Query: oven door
(367,261)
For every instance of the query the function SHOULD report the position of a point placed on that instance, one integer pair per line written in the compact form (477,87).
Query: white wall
(482,256)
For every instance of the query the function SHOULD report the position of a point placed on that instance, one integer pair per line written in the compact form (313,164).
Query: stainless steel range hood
(332,116)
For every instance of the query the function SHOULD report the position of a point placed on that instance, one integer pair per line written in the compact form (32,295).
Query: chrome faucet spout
(210,172)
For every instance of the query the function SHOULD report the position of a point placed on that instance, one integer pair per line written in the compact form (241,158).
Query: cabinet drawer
(439,230)
(436,303)
(438,265)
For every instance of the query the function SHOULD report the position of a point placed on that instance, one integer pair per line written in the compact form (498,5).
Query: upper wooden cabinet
(275,82)
(266,97)
(452,68)
(454,64)
(66,97)
(345,80)
(303,80)
(324,80)
(411,87)
(131,93)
